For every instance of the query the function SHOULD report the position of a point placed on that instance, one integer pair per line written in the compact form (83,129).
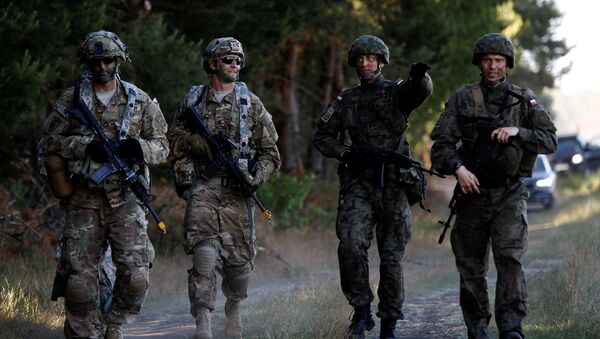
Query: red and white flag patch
(533,103)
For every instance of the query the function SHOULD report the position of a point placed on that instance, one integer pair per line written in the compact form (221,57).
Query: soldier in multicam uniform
(107,212)
(375,112)
(219,221)
(492,209)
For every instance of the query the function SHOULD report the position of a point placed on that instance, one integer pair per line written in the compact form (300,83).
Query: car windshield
(539,166)
(567,147)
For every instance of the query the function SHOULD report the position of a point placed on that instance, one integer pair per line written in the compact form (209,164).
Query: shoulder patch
(329,112)
(62,110)
(533,103)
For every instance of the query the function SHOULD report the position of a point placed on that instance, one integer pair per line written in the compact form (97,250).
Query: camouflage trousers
(495,219)
(362,208)
(218,221)
(86,234)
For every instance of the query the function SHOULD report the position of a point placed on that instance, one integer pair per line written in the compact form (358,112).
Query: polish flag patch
(533,103)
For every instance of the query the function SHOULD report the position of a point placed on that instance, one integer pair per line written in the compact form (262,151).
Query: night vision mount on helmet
(220,47)
(103,44)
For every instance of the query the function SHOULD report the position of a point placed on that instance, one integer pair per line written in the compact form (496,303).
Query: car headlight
(577,159)
(546,182)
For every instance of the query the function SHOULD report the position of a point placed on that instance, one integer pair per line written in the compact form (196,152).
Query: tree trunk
(292,162)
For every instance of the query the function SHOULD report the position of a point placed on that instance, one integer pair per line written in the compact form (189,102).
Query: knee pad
(79,296)
(204,260)
(138,282)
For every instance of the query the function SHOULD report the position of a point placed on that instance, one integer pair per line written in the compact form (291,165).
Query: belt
(224,181)
(497,182)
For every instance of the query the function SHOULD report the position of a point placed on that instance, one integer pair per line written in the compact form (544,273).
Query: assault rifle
(388,156)
(453,209)
(115,163)
(221,146)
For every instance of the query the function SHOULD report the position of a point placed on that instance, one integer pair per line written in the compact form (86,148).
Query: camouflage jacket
(375,113)
(66,136)
(459,122)
(225,116)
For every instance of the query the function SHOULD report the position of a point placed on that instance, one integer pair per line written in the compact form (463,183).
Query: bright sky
(580,26)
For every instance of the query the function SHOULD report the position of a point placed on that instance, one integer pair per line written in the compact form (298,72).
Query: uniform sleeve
(445,136)
(265,137)
(60,137)
(153,137)
(412,93)
(540,134)
(329,127)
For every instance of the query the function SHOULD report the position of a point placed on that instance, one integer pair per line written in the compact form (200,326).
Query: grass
(296,283)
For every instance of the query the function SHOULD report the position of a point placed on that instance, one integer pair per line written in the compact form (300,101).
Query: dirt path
(434,315)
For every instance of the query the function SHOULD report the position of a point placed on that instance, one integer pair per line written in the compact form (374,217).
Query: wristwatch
(456,166)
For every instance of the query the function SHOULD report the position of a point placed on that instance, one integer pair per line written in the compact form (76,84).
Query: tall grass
(565,302)
(25,307)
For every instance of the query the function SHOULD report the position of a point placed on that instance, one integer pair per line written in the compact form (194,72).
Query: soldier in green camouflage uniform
(375,112)
(492,209)
(107,212)
(219,219)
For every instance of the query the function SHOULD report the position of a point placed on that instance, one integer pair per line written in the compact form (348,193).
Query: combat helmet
(494,43)
(102,44)
(368,44)
(220,47)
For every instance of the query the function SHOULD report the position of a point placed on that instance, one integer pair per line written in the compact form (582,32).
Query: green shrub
(284,196)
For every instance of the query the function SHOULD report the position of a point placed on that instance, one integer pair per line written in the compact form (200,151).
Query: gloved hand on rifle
(97,151)
(418,70)
(131,150)
(353,158)
(198,147)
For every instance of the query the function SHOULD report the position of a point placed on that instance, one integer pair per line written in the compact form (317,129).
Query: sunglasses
(106,61)
(230,59)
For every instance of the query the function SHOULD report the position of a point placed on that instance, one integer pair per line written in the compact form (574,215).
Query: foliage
(284,195)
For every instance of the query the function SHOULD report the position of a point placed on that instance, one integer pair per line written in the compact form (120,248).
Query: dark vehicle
(542,183)
(592,153)
(570,155)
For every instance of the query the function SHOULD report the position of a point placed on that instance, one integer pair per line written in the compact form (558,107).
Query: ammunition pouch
(184,173)
(414,183)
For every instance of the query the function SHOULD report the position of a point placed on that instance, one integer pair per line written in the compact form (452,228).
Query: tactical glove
(418,69)
(97,151)
(353,159)
(198,147)
(131,150)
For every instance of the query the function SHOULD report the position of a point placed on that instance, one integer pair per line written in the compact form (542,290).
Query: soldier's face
(493,67)
(228,67)
(367,64)
(103,70)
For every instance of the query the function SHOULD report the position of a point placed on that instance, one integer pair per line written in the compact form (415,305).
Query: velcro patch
(62,110)
(533,103)
(329,112)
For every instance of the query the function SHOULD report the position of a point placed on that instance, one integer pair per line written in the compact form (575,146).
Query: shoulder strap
(132,92)
(243,102)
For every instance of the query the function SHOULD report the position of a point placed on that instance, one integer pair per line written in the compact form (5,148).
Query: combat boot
(113,331)
(387,329)
(362,321)
(233,319)
(203,330)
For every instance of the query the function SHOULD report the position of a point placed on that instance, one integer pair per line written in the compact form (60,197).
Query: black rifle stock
(392,157)
(456,195)
(221,146)
(115,163)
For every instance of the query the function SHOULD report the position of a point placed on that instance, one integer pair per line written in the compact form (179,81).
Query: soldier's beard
(225,76)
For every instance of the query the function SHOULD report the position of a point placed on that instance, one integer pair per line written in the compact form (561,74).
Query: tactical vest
(491,161)
(185,169)
(369,115)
